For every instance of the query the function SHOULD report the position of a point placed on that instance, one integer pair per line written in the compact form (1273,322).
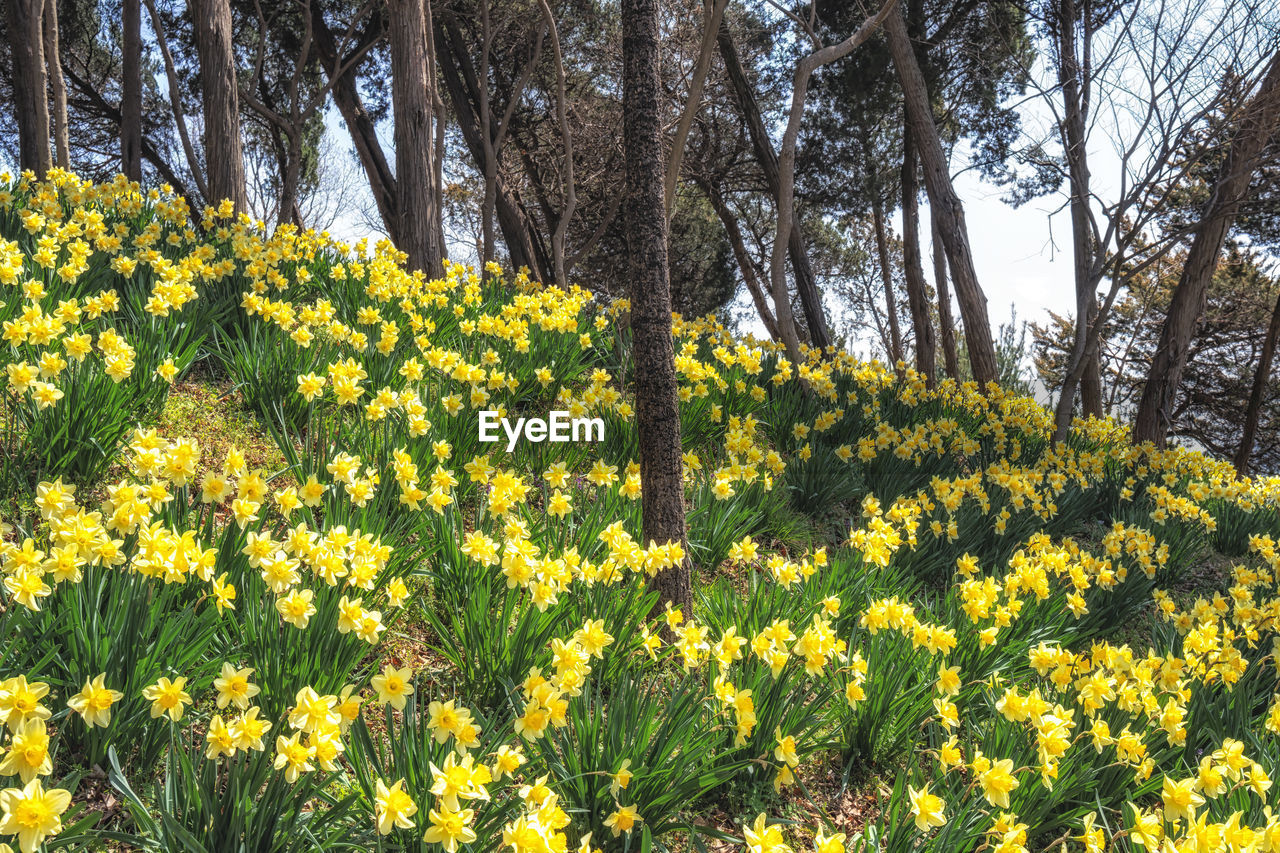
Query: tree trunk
(886,276)
(1072,131)
(917,293)
(57,86)
(570,192)
(1259,122)
(290,181)
(743,257)
(418,210)
(787,159)
(131,92)
(657,407)
(30,83)
(943,198)
(946,324)
(713,12)
(179,119)
(346,96)
(223,156)
(806,285)
(1261,375)
(462,86)
(437,110)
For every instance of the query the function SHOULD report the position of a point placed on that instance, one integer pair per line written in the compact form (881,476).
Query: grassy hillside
(260,571)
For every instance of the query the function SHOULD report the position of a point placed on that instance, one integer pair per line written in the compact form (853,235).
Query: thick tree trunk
(131,92)
(57,85)
(223,155)
(942,197)
(806,285)
(359,124)
(30,83)
(1257,125)
(418,200)
(946,324)
(657,406)
(291,179)
(886,276)
(913,270)
(1261,376)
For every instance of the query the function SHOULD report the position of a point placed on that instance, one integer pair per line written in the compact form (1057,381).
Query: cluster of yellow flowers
(385,361)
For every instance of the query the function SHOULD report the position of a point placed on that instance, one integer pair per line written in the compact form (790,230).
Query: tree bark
(744,97)
(913,270)
(30,83)
(657,406)
(946,324)
(1257,125)
(131,92)
(1261,376)
(886,276)
(418,199)
(57,85)
(223,155)
(942,196)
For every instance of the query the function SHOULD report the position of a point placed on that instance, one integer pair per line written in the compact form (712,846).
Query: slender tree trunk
(57,86)
(179,119)
(942,196)
(713,12)
(490,169)
(886,276)
(1261,376)
(223,156)
(131,92)
(743,257)
(419,211)
(359,124)
(462,86)
(1074,118)
(946,325)
(657,407)
(30,83)
(913,270)
(1091,381)
(570,192)
(806,284)
(787,160)
(1257,126)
